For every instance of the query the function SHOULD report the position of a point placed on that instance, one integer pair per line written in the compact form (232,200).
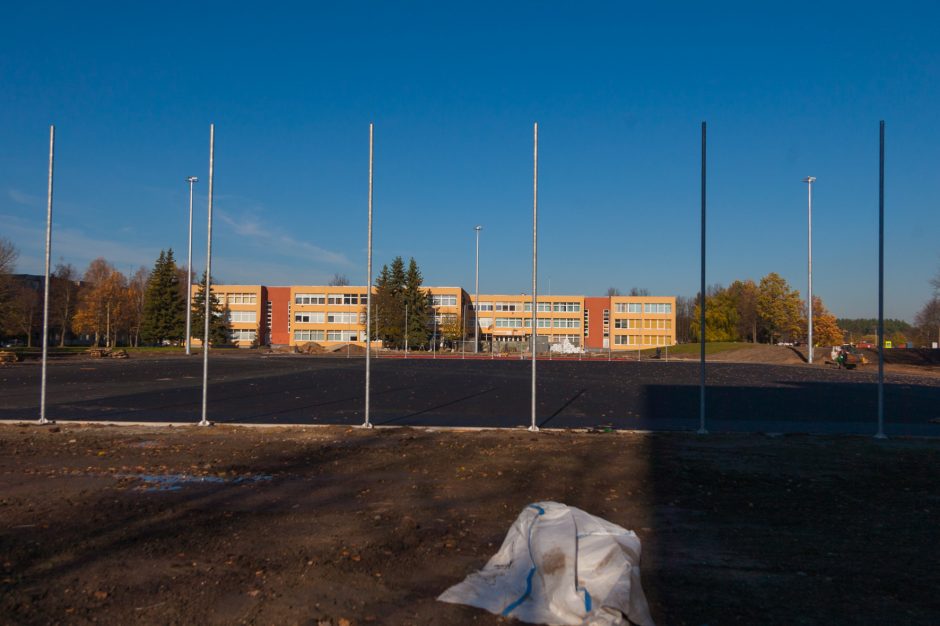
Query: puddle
(175,482)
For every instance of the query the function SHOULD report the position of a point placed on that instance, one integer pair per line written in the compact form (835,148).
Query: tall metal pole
(45,303)
(701,408)
(535,257)
(810,180)
(189,272)
(881,283)
(367,423)
(406,330)
(476,300)
(208,288)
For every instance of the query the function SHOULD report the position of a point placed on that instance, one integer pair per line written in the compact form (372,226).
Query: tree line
(104,305)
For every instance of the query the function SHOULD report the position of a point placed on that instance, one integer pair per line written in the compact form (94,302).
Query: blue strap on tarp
(528,578)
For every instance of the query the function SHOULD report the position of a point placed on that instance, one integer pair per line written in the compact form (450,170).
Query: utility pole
(189,271)
(476,302)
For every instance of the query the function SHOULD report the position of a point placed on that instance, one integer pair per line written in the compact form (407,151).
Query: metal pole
(701,411)
(463,338)
(45,303)
(434,345)
(208,288)
(810,180)
(535,257)
(881,283)
(476,301)
(406,330)
(367,423)
(189,272)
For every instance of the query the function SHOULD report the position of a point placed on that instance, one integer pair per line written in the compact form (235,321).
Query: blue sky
(619,91)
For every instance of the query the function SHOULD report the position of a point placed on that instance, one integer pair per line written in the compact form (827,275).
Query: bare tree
(639,291)
(927,320)
(613,292)
(8,255)
(338,280)
(64,290)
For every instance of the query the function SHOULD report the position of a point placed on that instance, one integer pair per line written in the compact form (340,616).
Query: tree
(218,321)
(419,306)
(643,291)
(137,287)
(927,321)
(685,310)
(612,292)
(164,316)
(338,280)
(63,292)
(721,316)
(8,255)
(744,294)
(389,305)
(93,310)
(25,312)
(778,307)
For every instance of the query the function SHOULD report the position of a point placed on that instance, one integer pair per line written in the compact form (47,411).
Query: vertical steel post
(881,283)
(701,408)
(810,180)
(189,272)
(45,302)
(368,423)
(535,258)
(476,302)
(208,289)
(406,330)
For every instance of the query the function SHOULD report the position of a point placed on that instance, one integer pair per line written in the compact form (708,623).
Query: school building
(294,315)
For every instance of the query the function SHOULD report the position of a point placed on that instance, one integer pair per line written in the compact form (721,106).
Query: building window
(242,316)
(629,307)
(508,322)
(485,306)
(486,322)
(444,300)
(627,340)
(310,298)
(239,335)
(308,335)
(342,318)
(309,318)
(566,322)
(242,298)
(628,323)
(657,307)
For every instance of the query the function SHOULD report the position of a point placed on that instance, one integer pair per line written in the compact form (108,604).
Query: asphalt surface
(296,389)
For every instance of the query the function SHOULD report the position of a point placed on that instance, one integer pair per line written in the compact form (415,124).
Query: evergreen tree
(389,304)
(419,305)
(218,322)
(164,309)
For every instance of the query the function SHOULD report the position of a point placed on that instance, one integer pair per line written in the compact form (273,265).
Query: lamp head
(809,179)
(192,179)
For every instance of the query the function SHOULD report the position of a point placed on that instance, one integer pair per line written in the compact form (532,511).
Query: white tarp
(560,565)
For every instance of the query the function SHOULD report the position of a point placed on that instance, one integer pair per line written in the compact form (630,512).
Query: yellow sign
(887,344)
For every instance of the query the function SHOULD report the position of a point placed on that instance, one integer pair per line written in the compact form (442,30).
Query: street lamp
(476,303)
(189,270)
(809,180)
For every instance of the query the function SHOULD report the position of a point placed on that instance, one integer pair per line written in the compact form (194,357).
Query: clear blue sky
(619,91)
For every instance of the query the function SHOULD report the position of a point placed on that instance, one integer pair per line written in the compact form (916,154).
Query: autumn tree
(721,316)
(826,331)
(218,320)
(778,307)
(164,317)
(99,294)
(744,295)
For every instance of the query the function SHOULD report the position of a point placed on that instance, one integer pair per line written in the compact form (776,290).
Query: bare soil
(333,525)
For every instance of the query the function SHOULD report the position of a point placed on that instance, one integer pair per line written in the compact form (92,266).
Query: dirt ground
(342,526)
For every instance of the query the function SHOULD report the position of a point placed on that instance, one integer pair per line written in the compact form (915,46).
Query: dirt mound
(311,348)
(762,353)
(347,348)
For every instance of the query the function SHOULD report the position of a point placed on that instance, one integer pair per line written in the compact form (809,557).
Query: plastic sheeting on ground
(560,565)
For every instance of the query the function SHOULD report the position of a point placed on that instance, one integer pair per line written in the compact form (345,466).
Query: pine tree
(389,305)
(164,309)
(419,307)
(218,322)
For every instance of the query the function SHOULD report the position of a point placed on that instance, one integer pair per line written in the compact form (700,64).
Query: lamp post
(476,301)
(809,180)
(189,271)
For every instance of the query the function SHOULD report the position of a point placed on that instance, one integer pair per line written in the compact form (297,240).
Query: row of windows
(332,335)
(242,335)
(642,340)
(518,322)
(241,298)
(317,317)
(649,324)
(333,298)
(242,316)
(444,300)
(648,307)
(541,307)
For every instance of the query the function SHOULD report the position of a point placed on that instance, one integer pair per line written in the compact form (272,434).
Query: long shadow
(439,406)
(564,406)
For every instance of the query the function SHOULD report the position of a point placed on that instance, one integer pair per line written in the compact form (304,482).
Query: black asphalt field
(297,389)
